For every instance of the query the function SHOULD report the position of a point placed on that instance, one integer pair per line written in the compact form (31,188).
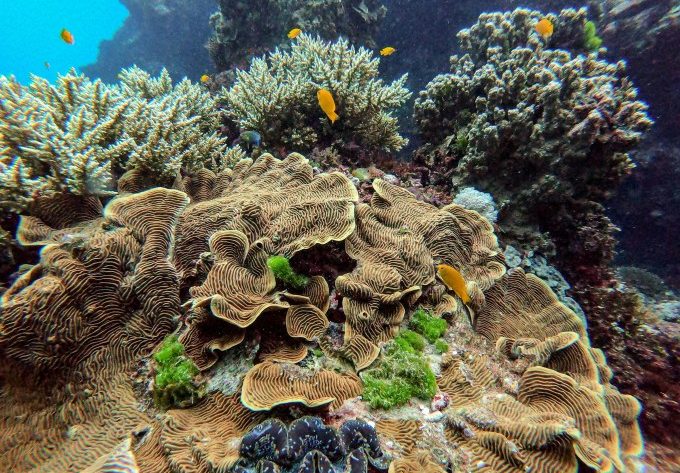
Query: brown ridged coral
(520,387)
(270,384)
(397,242)
(94,310)
(562,396)
(205,438)
(276,201)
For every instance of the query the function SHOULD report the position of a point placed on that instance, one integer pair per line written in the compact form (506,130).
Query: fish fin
(334,117)
(470,314)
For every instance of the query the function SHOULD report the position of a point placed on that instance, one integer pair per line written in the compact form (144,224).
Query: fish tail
(334,117)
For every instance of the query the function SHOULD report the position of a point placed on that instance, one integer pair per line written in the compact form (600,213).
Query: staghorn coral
(244,29)
(563,120)
(84,322)
(277,97)
(78,136)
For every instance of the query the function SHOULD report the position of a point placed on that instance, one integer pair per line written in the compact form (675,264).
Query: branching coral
(562,121)
(277,97)
(242,29)
(77,136)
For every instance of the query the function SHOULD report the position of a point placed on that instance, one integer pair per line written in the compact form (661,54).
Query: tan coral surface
(523,387)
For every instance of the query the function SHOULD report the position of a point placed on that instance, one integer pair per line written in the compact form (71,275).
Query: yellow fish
(205,78)
(327,104)
(387,51)
(292,34)
(454,281)
(67,36)
(545,28)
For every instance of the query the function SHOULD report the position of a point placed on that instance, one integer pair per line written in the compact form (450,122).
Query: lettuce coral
(277,97)
(79,135)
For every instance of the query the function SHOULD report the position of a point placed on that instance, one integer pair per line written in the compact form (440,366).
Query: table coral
(277,97)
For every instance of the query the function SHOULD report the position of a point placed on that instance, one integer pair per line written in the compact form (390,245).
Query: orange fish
(545,28)
(327,104)
(294,33)
(454,281)
(67,36)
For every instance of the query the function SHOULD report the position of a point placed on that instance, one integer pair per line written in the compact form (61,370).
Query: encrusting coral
(277,97)
(520,387)
(243,29)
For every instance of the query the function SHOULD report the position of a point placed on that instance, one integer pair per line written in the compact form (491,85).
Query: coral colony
(166,247)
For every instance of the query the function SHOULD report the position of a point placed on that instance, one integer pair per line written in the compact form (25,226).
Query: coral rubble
(518,387)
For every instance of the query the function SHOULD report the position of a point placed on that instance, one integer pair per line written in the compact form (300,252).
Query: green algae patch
(429,326)
(402,374)
(284,273)
(175,384)
(441,346)
(591,41)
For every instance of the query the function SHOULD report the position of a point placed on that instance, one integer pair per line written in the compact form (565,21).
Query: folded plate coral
(523,387)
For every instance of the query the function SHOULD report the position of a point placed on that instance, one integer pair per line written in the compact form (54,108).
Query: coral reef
(276,96)
(519,387)
(157,35)
(246,29)
(516,105)
(78,136)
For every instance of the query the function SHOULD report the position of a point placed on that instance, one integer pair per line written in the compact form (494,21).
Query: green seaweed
(441,346)
(175,384)
(402,374)
(409,340)
(591,41)
(284,273)
(428,325)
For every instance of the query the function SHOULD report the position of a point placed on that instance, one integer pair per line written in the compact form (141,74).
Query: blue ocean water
(31,34)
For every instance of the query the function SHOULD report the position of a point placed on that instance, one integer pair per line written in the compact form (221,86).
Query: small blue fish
(251,139)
